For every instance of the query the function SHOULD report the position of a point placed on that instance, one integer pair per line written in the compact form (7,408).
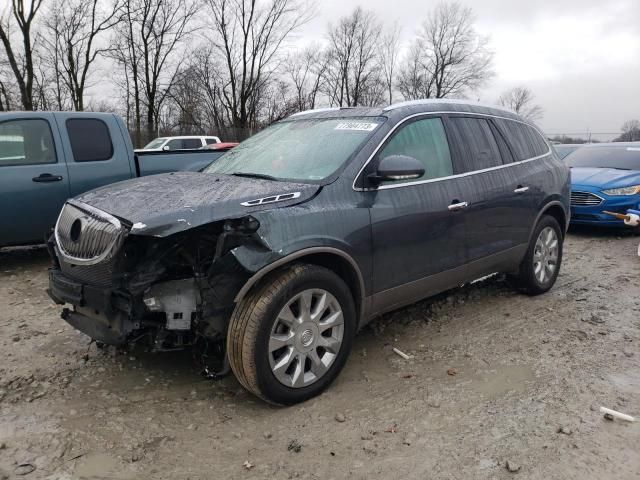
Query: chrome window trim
(440,179)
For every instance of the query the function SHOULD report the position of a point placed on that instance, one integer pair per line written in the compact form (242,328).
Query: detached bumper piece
(94,313)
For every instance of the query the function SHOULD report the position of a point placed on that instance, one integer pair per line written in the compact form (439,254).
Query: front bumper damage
(163,293)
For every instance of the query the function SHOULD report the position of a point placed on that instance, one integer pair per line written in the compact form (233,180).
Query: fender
(544,209)
(256,277)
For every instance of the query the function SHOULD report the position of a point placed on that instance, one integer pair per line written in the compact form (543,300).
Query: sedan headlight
(623,190)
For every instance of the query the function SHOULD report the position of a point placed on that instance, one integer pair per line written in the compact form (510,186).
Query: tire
(542,251)
(268,331)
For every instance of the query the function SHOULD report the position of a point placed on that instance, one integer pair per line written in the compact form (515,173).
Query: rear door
(491,219)
(96,152)
(34,182)
(530,174)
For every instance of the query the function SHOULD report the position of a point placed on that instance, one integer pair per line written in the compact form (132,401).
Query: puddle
(493,382)
(99,466)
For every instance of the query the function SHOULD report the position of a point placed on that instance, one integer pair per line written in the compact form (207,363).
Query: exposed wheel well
(335,262)
(557,212)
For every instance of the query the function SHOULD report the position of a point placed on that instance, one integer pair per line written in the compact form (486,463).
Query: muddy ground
(498,382)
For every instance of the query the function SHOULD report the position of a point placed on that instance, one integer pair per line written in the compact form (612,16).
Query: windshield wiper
(254,175)
(615,168)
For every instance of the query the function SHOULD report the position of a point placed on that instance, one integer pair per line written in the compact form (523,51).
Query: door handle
(521,189)
(458,206)
(47,177)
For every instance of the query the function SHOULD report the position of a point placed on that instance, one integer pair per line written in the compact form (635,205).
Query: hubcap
(306,338)
(545,255)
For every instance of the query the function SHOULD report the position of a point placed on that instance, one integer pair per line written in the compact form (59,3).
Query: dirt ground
(500,385)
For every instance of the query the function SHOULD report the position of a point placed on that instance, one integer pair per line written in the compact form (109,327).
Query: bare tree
(449,58)
(248,35)
(630,131)
(353,73)
(305,70)
(414,80)
(23,12)
(75,27)
(521,100)
(389,48)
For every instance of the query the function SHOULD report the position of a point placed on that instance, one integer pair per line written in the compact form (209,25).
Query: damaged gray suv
(276,254)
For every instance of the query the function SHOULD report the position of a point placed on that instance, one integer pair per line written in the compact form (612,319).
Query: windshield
(624,158)
(299,150)
(157,143)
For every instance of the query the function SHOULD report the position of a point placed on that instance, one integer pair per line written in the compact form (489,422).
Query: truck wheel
(541,264)
(291,336)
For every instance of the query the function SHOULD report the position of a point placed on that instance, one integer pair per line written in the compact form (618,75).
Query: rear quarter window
(90,139)
(524,140)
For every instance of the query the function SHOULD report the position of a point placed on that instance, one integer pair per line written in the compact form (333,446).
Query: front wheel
(541,265)
(289,339)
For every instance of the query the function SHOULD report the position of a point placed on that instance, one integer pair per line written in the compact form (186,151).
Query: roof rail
(315,110)
(431,101)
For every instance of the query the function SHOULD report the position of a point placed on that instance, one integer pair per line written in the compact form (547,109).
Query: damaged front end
(163,293)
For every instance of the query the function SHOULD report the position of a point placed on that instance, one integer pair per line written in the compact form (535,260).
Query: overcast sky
(581,58)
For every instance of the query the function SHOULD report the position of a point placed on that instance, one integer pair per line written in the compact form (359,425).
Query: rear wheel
(541,265)
(289,339)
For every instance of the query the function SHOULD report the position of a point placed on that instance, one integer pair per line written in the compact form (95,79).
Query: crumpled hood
(604,177)
(161,205)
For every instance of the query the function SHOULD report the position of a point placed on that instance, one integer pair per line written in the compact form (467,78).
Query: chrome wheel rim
(305,338)
(545,255)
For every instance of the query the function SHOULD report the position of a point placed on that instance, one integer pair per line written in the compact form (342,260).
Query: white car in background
(179,143)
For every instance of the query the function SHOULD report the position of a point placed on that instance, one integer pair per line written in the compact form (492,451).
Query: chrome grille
(86,235)
(99,275)
(585,199)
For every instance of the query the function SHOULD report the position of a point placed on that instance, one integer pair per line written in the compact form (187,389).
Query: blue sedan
(604,176)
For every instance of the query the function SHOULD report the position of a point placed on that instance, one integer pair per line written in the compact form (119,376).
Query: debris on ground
(564,430)
(452,371)
(248,465)
(24,469)
(512,466)
(294,446)
(611,414)
(402,354)
(340,417)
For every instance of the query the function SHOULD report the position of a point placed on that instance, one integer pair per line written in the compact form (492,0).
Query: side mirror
(397,167)
(166,148)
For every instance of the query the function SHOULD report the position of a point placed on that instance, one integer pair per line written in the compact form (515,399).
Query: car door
(487,184)
(530,173)
(96,151)
(33,179)
(418,232)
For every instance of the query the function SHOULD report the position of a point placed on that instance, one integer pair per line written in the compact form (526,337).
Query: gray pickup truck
(48,157)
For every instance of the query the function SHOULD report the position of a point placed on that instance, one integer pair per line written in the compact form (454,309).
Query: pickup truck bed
(48,157)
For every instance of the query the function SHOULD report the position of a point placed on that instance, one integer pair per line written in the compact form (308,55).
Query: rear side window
(474,144)
(189,143)
(426,141)
(210,140)
(525,141)
(26,142)
(90,140)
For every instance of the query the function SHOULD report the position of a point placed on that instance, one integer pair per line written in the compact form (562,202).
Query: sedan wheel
(306,338)
(545,256)
(291,336)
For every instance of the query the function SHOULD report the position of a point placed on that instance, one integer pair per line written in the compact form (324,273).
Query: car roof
(403,109)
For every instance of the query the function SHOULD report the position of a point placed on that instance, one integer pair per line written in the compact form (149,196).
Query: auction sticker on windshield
(359,126)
